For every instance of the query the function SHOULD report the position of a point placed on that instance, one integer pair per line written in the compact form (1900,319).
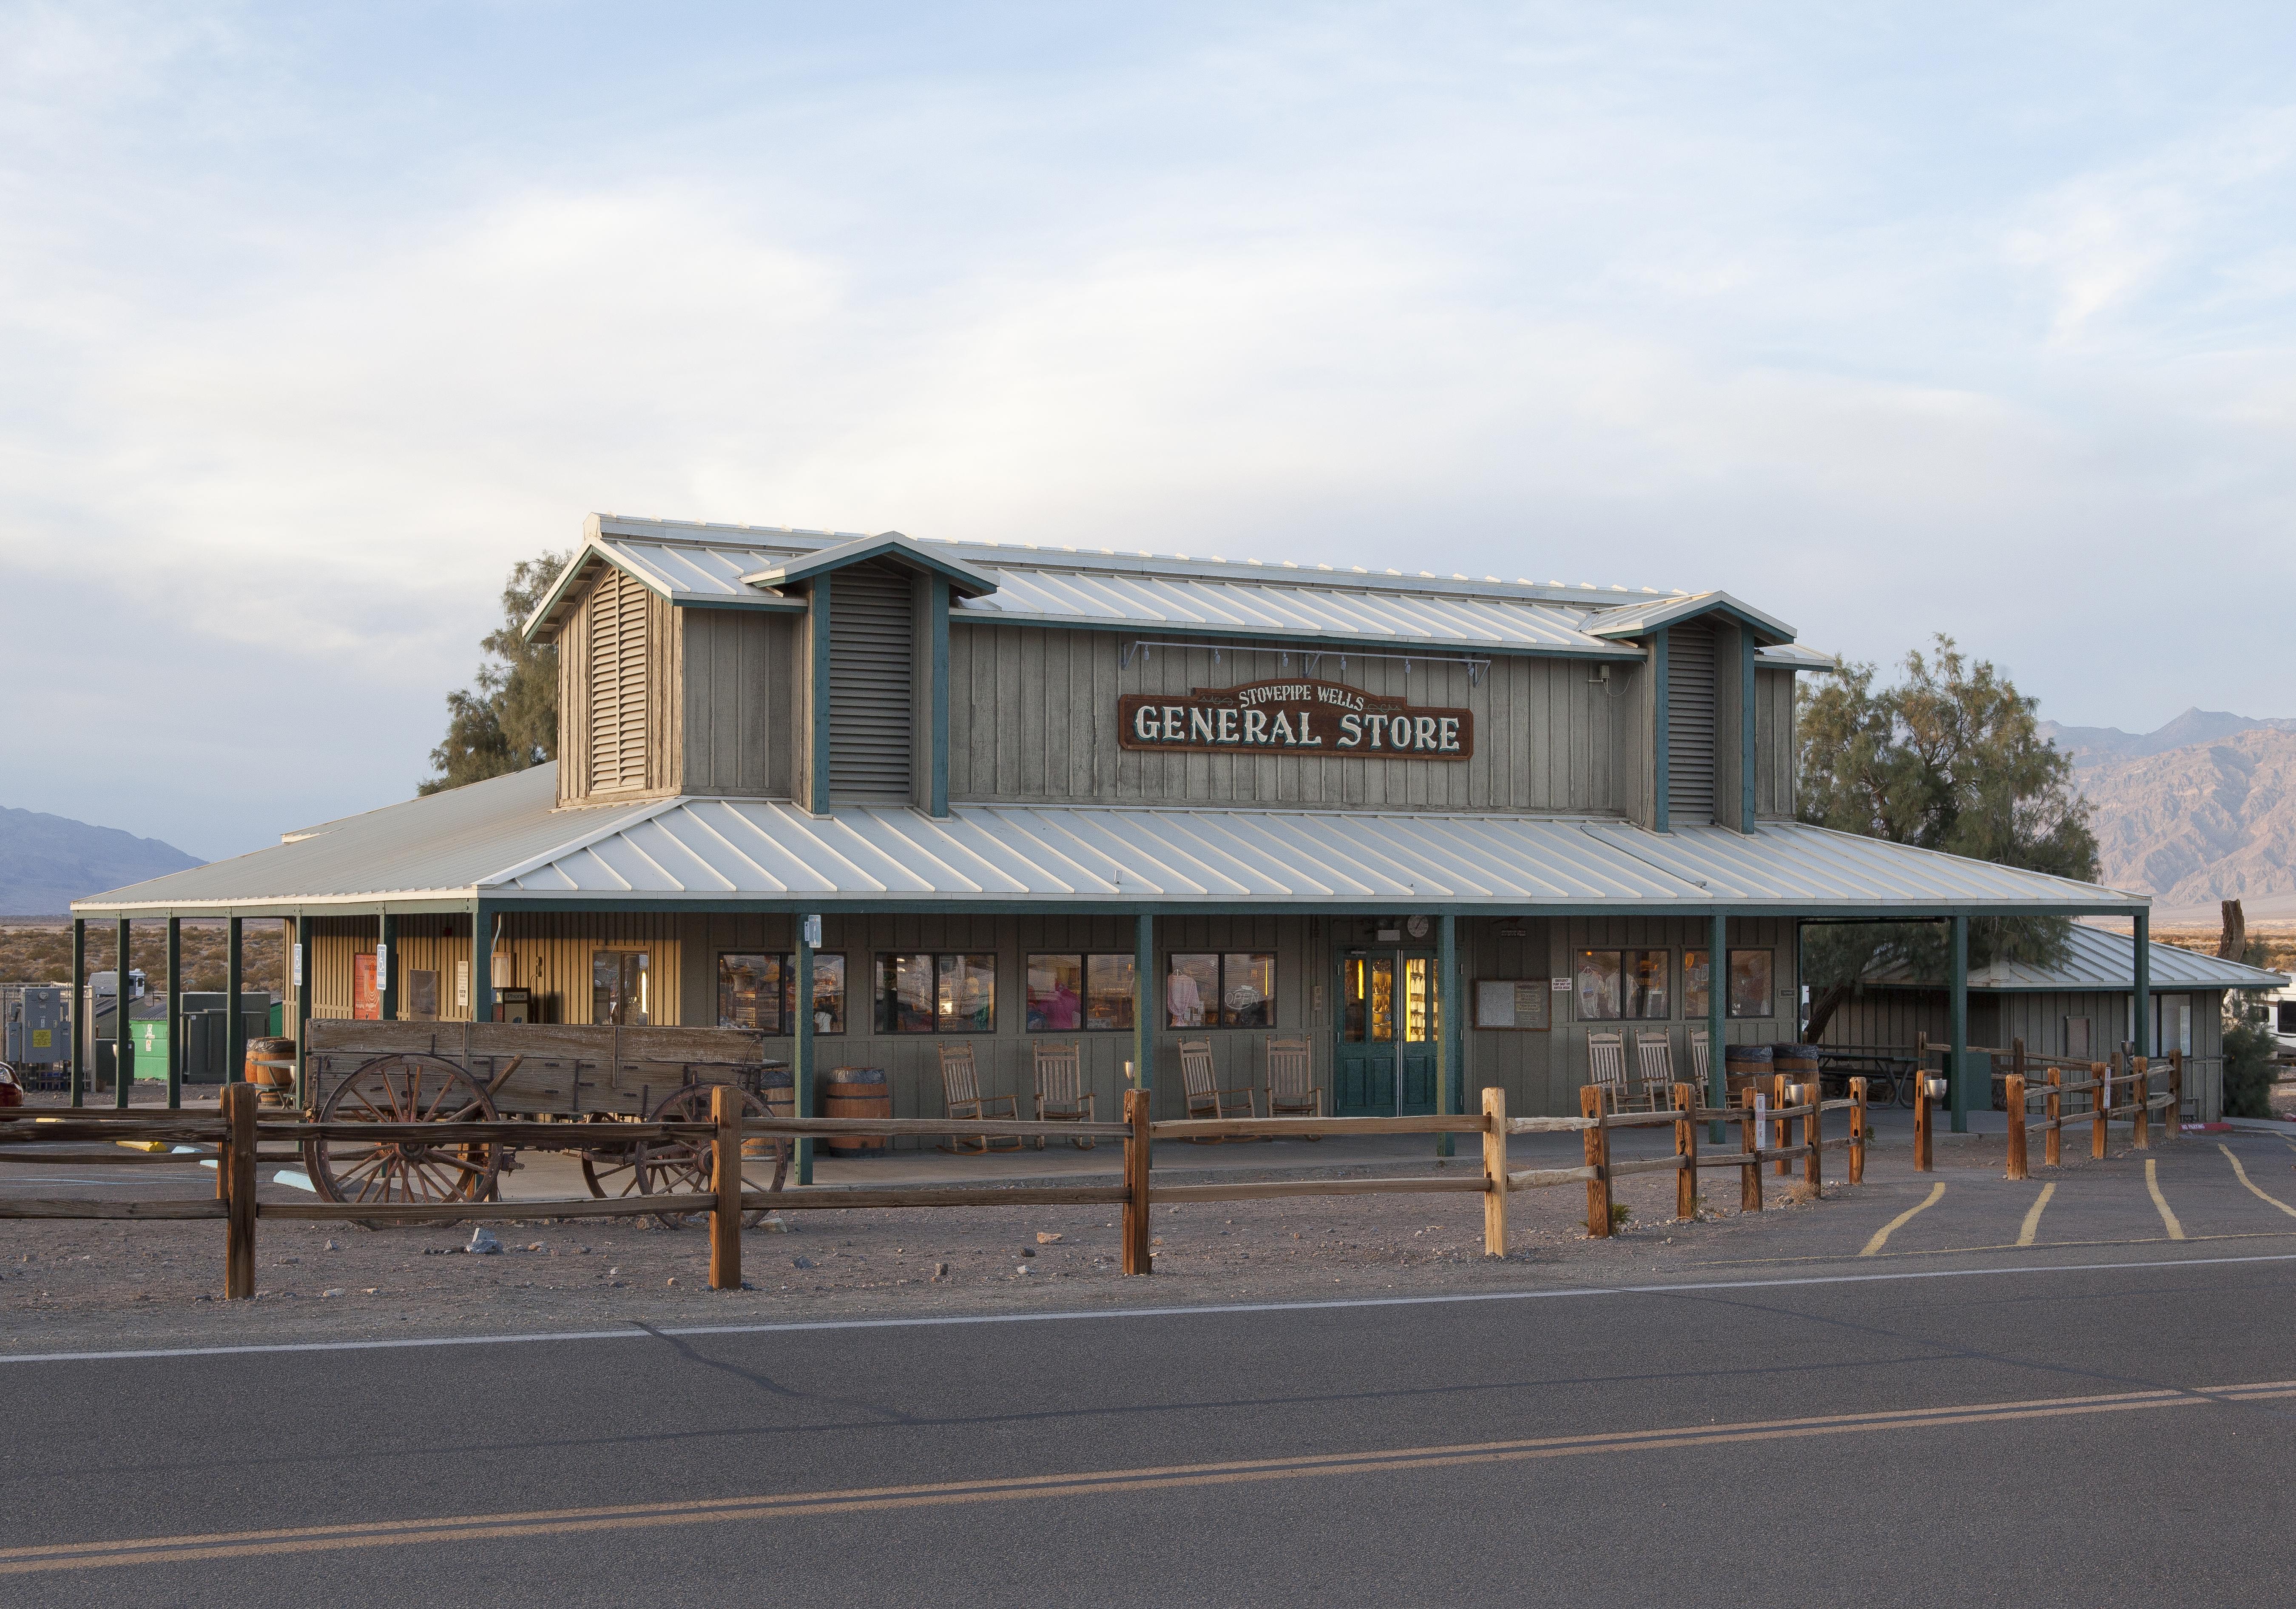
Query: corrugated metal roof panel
(2098,959)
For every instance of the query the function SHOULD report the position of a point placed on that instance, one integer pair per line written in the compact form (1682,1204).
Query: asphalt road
(1927,1426)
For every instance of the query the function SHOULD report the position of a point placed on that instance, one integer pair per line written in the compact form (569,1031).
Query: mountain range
(2095,745)
(48,861)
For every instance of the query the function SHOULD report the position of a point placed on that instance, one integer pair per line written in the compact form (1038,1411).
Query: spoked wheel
(404,1089)
(667,1167)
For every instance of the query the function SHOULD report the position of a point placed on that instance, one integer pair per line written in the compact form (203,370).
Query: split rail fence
(2111,1091)
(1790,1118)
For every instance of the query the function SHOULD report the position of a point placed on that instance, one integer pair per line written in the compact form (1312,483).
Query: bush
(2248,1051)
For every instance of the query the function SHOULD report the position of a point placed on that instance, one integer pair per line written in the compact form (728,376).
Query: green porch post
(2143,1034)
(306,967)
(1449,1076)
(1144,1001)
(1958,1060)
(482,961)
(1717,982)
(234,1044)
(123,1043)
(801,1041)
(175,1013)
(81,1048)
(386,967)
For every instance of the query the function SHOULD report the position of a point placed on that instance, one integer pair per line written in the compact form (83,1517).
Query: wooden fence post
(2100,1101)
(2013,1097)
(1136,1258)
(1750,1172)
(2052,1145)
(1781,1128)
(1598,1157)
(1813,1134)
(1857,1131)
(1686,1146)
(235,1172)
(2140,1085)
(725,1181)
(1495,1172)
(1923,1113)
(2176,1094)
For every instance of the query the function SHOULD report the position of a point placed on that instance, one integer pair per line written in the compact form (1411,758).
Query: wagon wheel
(404,1089)
(616,1170)
(665,1167)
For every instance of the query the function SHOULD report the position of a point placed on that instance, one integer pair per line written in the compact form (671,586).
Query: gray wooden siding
(1773,743)
(1691,724)
(1032,717)
(741,696)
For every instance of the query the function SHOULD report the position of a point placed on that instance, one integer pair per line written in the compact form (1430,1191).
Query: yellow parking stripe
(2033,1218)
(2241,1173)
(1881,1236)
(2152,1183)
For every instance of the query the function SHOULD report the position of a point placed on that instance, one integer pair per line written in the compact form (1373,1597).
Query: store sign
(1304,717)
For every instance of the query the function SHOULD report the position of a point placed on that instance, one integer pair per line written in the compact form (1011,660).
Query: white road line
(1881,1236)
(2241,1173)
(2032,1224)
(2152,1183)
(638,1332)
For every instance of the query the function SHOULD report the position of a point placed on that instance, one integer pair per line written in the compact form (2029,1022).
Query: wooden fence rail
(235,1134)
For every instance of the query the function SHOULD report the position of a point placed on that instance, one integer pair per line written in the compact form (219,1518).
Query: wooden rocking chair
(1654,1060)
(1205,1098)
(1698,1063)
(1291,1088)
(1606,1068)
(959,1090)
(1060,1094)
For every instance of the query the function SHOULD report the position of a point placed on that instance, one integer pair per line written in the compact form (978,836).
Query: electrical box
(39,1032)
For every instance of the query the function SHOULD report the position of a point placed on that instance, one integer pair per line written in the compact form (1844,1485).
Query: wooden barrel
(1746,1067)
(1799,1063)
(857,1092)
(265,1051)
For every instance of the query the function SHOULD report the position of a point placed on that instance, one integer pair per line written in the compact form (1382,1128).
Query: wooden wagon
(602,1078)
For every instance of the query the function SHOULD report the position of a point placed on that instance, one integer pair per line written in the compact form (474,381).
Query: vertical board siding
(1032,719)
(1773,743)
(871,684)
(1690,724)
(546,953)
(740,702)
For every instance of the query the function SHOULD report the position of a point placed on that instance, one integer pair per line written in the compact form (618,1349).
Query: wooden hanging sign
(1321,718)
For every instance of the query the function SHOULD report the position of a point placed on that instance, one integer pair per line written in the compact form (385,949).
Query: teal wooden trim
(123,1043)
(1957,1059)
(234,984)
(1717,1018)
(304,929)
(801,1046)
(2144,1036)
(387,986)
(1143,1000)
(939,795)
(175,1013)
(1659,779)
(1263,641)
(483,914)
(1450,1069)
(82,1017)
(1747,749)
(817,770)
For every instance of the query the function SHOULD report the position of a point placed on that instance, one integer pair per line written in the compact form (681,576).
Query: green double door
(1386,1063)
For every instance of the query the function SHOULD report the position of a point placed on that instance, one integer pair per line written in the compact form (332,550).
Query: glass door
(1385,1063)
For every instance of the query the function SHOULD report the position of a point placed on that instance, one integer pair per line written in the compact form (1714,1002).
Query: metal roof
(2096,959)
(717,566)
(1639,619)
(500,839)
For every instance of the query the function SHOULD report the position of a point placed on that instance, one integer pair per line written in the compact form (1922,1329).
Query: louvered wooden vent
(618,683)
(871,672)
(1690,724)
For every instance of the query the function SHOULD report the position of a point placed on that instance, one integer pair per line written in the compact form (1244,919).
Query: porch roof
(2098,962)
(501,841)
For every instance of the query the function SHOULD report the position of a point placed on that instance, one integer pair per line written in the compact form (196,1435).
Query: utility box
(38,1029)
(207,1032)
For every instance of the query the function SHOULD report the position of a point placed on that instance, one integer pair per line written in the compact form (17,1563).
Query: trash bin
(857,1092)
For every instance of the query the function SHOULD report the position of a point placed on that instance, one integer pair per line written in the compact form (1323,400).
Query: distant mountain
(2091,745)
(48,861)
(2205,821)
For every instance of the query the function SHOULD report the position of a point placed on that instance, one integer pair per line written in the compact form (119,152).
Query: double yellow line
(176,1550)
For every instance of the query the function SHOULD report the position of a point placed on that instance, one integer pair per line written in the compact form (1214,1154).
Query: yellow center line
(2152,1183)
(2241,1173)
(1881,1236)
(2032,1224)
(324,1539)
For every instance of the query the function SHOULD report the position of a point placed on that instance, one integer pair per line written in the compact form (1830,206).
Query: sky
(1892,320)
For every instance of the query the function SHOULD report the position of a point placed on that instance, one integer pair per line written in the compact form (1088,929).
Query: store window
(759,990)
(947,993)
(1616,984)
(1751,984)
(619,987)
(1233,989)
(1069,992)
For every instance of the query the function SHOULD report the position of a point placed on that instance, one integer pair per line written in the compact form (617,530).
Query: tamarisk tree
(507,719)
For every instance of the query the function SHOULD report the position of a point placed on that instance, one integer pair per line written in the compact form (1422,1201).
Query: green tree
(2249,1048)
(1951,759)
(508,719)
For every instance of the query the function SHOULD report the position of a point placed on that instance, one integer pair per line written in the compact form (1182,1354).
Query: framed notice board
(1503,1002)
